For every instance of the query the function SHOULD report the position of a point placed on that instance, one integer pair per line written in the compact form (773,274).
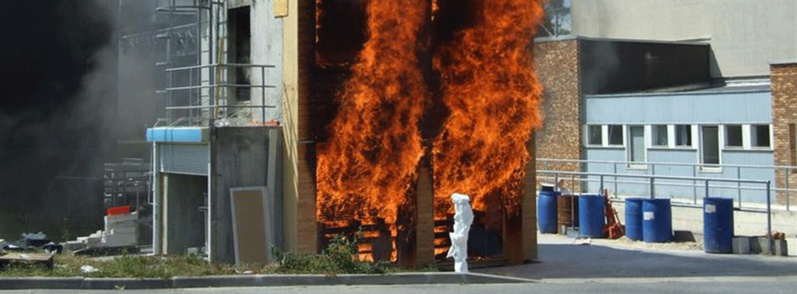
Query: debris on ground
(121,227)
(87,269)
(53,248)
(579,241)
(30,242)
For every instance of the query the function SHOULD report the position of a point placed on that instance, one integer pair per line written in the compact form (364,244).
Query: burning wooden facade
(398,104)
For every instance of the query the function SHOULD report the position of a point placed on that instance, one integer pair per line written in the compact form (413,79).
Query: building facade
(674,88)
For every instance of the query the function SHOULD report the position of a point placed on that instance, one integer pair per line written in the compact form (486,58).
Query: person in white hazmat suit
(463,217)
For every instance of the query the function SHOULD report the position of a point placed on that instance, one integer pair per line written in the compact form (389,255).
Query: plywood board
(280,8)
(250,225)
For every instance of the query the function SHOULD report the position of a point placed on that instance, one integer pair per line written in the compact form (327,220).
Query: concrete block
(741,245)
(122,230)
(759,245)
(74,245)
(791,246)
(781,248)
(119,240)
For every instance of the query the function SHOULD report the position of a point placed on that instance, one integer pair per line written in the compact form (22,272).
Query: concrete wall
(267,50)
(745,35)
(239,159)
(185,223)
(784,118)
(558,69)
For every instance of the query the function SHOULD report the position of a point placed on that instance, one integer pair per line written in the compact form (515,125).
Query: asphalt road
(786,286)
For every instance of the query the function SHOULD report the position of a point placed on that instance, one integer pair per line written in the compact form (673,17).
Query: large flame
(491,89)
(366,168)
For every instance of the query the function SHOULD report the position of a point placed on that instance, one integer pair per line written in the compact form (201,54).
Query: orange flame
(367,167)
(490,86)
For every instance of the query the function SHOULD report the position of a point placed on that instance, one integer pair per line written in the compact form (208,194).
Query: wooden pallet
(24,257)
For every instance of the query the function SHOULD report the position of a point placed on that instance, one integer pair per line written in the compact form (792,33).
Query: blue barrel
(546,211)
(718,225)
(591,218)
(633,218)
(656,220)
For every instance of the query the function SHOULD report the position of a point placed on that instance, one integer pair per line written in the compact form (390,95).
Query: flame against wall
(488,83)
(367,166)
(490,87)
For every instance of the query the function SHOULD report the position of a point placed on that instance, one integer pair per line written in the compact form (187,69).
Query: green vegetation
(68,265)
(340,257)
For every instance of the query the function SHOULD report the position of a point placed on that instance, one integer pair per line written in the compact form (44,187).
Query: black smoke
(57,97)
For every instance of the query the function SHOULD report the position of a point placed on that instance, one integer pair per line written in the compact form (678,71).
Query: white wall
(745,35)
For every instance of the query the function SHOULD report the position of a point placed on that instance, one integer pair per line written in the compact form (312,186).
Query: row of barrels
(647,219)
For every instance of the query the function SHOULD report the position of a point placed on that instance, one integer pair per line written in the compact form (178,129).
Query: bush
(340,257)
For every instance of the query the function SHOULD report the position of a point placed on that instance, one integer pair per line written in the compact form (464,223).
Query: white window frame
(608,139)
(708,167)
(628,145)
(654,134)
(745,137)
(693,134)
(587,135)
(751,137)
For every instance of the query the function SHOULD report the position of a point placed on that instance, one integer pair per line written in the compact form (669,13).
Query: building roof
(739,86)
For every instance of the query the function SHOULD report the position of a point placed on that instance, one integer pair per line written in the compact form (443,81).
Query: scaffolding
(201,88)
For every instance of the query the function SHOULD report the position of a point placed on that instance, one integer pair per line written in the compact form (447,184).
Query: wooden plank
(250,230)
(43,258)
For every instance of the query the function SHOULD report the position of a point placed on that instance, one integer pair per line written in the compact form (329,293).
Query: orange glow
(489,84)
(366,168)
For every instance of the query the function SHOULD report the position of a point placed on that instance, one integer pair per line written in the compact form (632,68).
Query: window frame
(589,136)
(689,136)
(609,135)
(754,134)
(655,133)
(726,140)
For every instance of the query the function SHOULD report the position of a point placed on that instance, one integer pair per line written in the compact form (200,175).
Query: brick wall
(784,114)
(560,137)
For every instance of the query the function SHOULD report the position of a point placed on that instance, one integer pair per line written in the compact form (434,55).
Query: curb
(82,283)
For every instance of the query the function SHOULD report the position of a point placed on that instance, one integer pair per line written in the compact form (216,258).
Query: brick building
(677,82)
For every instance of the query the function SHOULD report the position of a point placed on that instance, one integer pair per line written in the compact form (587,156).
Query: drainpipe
(156,214)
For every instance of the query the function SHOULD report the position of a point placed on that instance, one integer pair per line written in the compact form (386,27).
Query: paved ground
(604,266)
(560,260)
(697,287)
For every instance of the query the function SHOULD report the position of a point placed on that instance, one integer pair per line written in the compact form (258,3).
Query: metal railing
(651,180)
(683,188)
(202,95)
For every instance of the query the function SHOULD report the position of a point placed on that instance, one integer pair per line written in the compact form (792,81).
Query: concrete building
(624,92)
(248,113)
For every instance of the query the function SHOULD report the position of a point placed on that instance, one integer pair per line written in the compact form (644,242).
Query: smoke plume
(57,92)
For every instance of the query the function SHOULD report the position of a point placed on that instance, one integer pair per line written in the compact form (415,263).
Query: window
(733,136)
(240,52)
(683,135)
(710,145)
(759,136)
(636,144)
(616,135)
(594,135)
(659,135)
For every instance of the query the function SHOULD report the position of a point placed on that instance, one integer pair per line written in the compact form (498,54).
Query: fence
(652,179)
(202,95)
(676,180)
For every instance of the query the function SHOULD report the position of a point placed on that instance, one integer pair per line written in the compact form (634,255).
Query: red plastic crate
(119,210)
